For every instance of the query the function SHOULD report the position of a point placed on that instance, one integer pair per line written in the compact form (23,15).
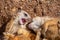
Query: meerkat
(20,21)
(36,24)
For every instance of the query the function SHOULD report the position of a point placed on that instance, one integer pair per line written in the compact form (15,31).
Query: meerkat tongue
(23,20)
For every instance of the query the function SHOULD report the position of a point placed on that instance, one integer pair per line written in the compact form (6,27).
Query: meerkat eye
(25,14)
(58,22)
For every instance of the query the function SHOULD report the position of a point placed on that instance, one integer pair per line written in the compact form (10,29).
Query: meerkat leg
(38,35)
(48,23)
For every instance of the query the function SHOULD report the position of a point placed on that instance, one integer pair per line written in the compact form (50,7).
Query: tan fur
(26,33)
(21,38)
(22,31)
(38,34)
(10,23)
(50,28)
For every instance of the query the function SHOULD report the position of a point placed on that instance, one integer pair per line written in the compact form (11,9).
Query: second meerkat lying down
(37,23)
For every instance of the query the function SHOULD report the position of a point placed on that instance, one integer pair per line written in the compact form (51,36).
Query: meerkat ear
(19,9)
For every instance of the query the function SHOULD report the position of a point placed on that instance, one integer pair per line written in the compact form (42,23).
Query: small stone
(23,0)
(44,39)
(5,7)
(14,9)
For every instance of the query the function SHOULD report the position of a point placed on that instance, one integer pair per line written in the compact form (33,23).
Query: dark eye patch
(25,14)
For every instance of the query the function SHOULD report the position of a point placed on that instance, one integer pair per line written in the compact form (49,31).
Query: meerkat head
(35,24)
(22,17)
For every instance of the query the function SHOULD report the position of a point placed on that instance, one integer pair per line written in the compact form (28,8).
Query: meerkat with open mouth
(20,21)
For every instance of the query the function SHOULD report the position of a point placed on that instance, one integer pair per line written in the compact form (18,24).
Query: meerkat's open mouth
(23,20)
